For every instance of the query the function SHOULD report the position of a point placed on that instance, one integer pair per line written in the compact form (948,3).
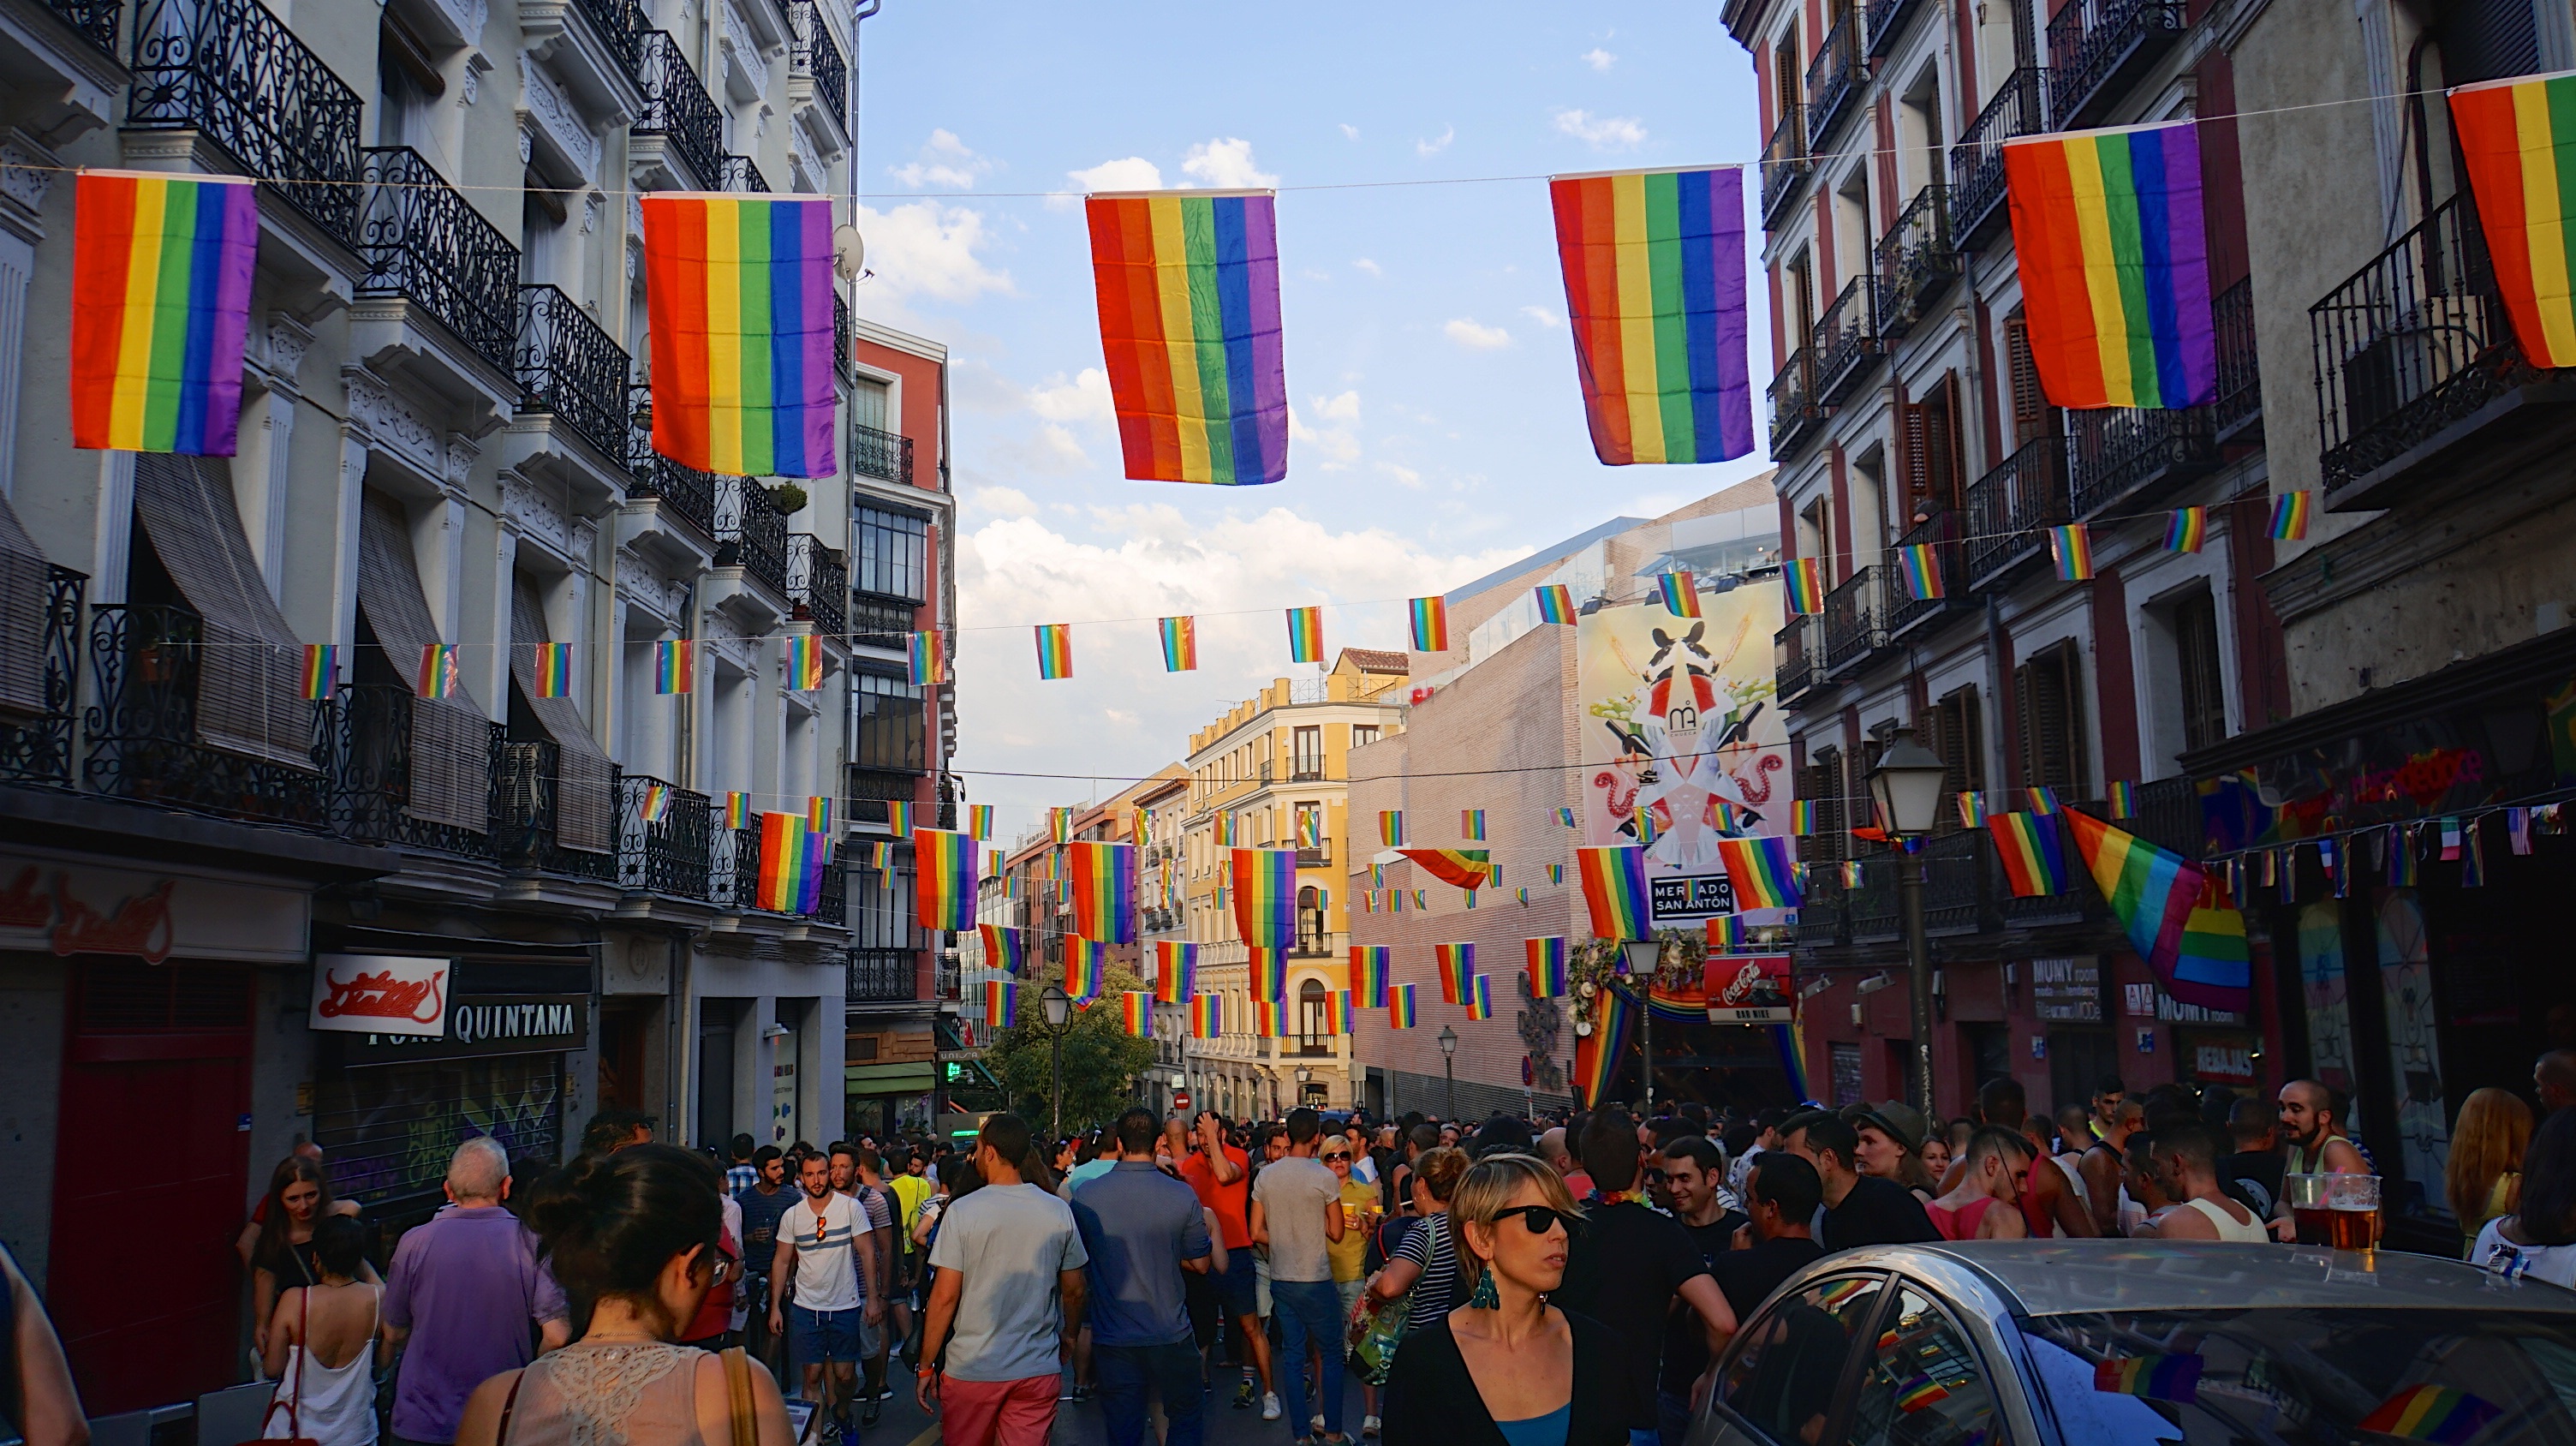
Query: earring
(1486,1297)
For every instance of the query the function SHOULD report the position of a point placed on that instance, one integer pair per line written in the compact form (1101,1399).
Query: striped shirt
(827,1271)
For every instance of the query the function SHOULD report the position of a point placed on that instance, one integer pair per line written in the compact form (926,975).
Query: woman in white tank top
(334,1405)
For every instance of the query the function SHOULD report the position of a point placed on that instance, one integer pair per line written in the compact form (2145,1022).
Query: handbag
(303,1348)
(737,1369)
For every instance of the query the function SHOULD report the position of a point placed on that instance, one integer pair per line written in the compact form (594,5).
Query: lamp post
(1906,786)
(1059,1008)
(1304,1075)
(1645,956)
(1449,1066)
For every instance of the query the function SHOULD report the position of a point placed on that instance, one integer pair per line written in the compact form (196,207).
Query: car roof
(2066,1277)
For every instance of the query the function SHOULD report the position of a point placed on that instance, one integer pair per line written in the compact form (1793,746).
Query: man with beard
(2313,1143)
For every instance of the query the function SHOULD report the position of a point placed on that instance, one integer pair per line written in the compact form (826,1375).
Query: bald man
(2313,1143)
(2553,1080)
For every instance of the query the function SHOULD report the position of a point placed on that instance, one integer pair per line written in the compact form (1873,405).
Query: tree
(1101,1059)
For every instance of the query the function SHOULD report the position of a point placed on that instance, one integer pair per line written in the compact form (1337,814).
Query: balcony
(2042,910)
(1318,857)
(2130,455)
(841,335)
(818,584)
(1957,882)
(94,20)
(421,241)
(1845,341)
(148,671)
(2098,48)
(2020,108)
(814,54)
(1856,622)
(733,864)
(678,109)
(685,491)
(666,855)
(530,802)
(622,26)
(1822,922)
(1873,908)
(568,366)
(1794,413)
(2168,815)
(1834,80)
(1785,161)
(1796,652)
(2237,414)
(832,901)
(742,174)
(37,747)
(386,755)
(751,533)
(1887,21)
(2009,509)
(1915,262)
(1905,613)
(232,71)
(883,455)
(883,976)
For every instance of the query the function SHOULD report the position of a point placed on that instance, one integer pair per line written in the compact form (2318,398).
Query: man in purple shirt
(457,1284)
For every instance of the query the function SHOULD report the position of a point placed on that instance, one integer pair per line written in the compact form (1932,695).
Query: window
(1933,460)
(1363,734)
(1310,825)
(2032,417)
(1923,1383)
(1308,754)
(2204,691)
(1783,1378)
(868,404)
(1844,1066)
(883,912)
(1310,921)
(891,558)
(2052,721)
(889,726)
(1824,784)
(1959,736)
(880,617)
(1312,1037)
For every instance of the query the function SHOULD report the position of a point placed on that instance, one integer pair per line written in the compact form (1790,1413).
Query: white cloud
(1350,132)
(1404,476)
(1002,501)
(1428,149)
(1543,316)
(1128,173)
(1364,264)
(944,161)
(1599,59)
(1084,399)
(1340,445)
(1602,133)
(1226,165)
(1343,408)
(1470,333)
(926,249)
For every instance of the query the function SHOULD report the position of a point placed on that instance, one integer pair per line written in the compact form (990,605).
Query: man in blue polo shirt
(1142,1228)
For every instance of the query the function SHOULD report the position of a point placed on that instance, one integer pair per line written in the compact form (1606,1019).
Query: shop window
(389,1130)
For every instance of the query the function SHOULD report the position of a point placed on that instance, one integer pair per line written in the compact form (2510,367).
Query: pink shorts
(997,1413)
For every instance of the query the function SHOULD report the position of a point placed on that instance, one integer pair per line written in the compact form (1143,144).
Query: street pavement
(903,1424)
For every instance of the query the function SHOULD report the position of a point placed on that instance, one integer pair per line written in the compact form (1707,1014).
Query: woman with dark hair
(2539,1240)
(321,1345)
(632,1239)
(281,1240)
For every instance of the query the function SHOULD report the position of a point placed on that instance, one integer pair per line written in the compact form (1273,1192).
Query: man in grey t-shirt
(1296,1212)
(1007,1302)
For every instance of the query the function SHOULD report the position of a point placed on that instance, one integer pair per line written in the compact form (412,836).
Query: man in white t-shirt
(826,1282)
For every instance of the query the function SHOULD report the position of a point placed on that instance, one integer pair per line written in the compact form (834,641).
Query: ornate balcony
(1797,650)
(818,584)
(751,533)
(814,53)
(622,26)
(37,748)
(1794,412)
(147,665)
(232,71)
(2096,48)
(1785,161)
(95,20)
(2020,108)
(686,491)
(2009,508)
(2118,456)
(1957,882)
(1916,262)
(523,822)
(423,242)
(1887,21)
(832,905)
(1856,622)
(1904,612)
(742,173)
(1834,79)
(729,878)
(375,753)
(678,109)
(1873,906)
(2238,412)
(1845,341)
(665,855)
(567,365)
(883,976)
(841,335)
(886,456)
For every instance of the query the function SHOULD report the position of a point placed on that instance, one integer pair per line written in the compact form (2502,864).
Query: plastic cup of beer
(2352,1208)
(2307,1197)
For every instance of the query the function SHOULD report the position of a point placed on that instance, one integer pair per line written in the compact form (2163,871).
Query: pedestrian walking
(740,1173)
(631,1234)
(762,1206)
(887,1243)
(1858,1209)
(281,1238)
(1782,1195)
(1694,1176)
(1220,1174)
(1297,1215)
(1425,1269)
(469,1298)
(2105,1164)
(1006,1303)
(1629,1268)
(322,1346)
(1145,1233)
(822,1276)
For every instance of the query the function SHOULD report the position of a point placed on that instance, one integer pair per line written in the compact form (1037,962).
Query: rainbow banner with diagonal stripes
(1188,288)
(1005,949)
(160,307)
(1467,869)
(1104,891)
(1761,870)
(1180,644)
(1430,618)
(1614,888)
(2177,917)
(1372,971)
(1176,970)
(1305,635)
(2517,139)
(2026,844)
(1265,896)
(738,302)
(1547,967)
(943,864)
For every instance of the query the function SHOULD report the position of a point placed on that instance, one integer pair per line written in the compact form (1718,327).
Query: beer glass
(2307,1197)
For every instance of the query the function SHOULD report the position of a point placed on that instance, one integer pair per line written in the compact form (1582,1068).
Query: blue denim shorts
(1238,1289)
(823,1335)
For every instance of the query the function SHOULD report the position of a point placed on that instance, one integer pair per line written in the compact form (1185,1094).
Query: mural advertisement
(2414,1052)
(1682,741)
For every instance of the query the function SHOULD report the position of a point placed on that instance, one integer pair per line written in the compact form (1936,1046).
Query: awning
(451,740)
(24,614)
(891,1079)
(584,780)
(250,673)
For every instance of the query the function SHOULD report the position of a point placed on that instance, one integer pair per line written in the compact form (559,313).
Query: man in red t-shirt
(1221,1175)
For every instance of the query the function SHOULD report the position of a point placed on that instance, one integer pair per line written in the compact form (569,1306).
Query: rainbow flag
(1310,828)
(1104,891)
(1430,625)
(1055,651)
(321,671)
(1654,281)
(1372,969)
(1555,603)
(738,302)
(1972,809)
(1390,827)
(1266,971)
(1547,969)
(1556,874)
(1922,572)
(437,677)
(979,821)
(1403,1006)
(1176,971)
(653,803)
(1802,817)
(1458,868)
(1920,1393)
(2518,139)
(1005,949)
(160,303)
(2290,517)
(1268,1018)
(1614,887)
(1059,828)
(1456,964)
(1337,1012)
(2115,278)
(2439,1414)
(992,863)
(1480,997)
(1680,594)
(1084,959)
(1804,577)
(898,817)
(2175,915)
(881,857)
(785,863)
(554,670)
(1760,868)
(1207,1016)
(2028,847)
(1265,896)
(2174,1378)
(675,666)
(737,809)
(2071,544)
(1471,824)
(1180,645)
(818,813)
(943,864)
(1136,1012)
(803,654)
(928,664)
(1001,1004)
(1305,635)
(2043,800)
(1598,1054)
(1565,816)
(2187,530)
(1188,283)
(2124,801)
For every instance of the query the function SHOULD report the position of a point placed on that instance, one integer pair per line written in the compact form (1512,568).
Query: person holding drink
(2315,1150)
(1360,1214)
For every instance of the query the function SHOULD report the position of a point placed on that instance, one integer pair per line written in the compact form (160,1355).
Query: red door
(149,1178)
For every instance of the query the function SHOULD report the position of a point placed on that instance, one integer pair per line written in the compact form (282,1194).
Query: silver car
(2146,1343)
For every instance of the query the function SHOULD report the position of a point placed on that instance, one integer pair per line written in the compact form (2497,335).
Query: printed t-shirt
(827,1268)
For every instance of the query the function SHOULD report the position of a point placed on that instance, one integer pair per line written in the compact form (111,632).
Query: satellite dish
(849,253)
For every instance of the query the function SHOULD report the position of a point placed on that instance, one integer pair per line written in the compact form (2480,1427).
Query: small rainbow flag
(1390,827)
(818,813)
(1372,970)
(1305,635)
(1104,891)
(1430,625)
(437,678)
(160,303)
(1802,817)
(1972,809)
(1728,934)
(1546,967)
(1055,651)
(2071,544)
(1180,644)
(1565,816)
(1851,874)
(2185,926)
(2123,800)
(1188,289)
(1403,1006)
(1059,828)
(1680,594)
(554,670)
(2187,530)
(1456,964)
(1555,603)
(1556,874)
(992,863)
(1419,899)
(321,671)
(1804,577)
(1176,971)
(737,809)
(944,879)
(1001,1004)
(738,301)
(1084,960)
(803,653)
(675,666)
(1266,971)
(1480,997)
(881,857)
(1759,867)
(2290,517)
(2174,1378)
(1268,1018)
(2438,1414)
(2043,800)
(1337,1012)
(1136,1012)
(1224,827)
(979,821)
(1265,896)
(1614,887)
(2515,137)
(1207,1016)
(1471,824)
(929,662)
(653,804)
(1310,828)
(1919,1393)
(2033,858)
(785,863)
(1005,949)
(898,817)
(1922,571)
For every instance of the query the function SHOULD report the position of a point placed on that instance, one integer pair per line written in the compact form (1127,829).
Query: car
(2145,1343)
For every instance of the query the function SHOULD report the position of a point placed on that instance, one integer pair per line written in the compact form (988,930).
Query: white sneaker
(1368,1428)
(1269,1405)
(1317,1425)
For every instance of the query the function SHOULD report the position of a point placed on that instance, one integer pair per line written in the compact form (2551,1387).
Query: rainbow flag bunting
(1055,651)
(1001,1004)
(1390,827)
(1471,824)
(1059,827)
(653,804)
(321,671)
(1266,971)
(1136,1012)
(1547,967)
(2071,545)
(1760,869)
(2124,801)
(2518,138)
(1305,635)
(1188,285)
(1005,949)
(2034,860)
(1430,625)
(1180,645)
(2115,276)
(1614,888)
(1456,964)
(1922,571)
(554,670)
(803,654)
(160,306)
(1566,817)
(675,666)
(1680,594)
(1372,970)
(1403,1006)
(2184,926)
(1268,1018)
(898,818)
(437,677)
(1458,868)
(2043,800)
(2438,1414)
(2187,530)
(785,863)
(928,665)
(1207,1016)
(979,821)
(737,809)
(1804,577)
(1310,828)
(1972,809)
(1265,896)
(1419,901)
(1337,1012)
(1480,997)
(943,864)
(880,857)
(1176,971)
(1851,874)
(1104,891)
(1084,960)
(2174,1378)
(1556,874)
(1555,603)
(1654,283)
(2290,517)
(1920,1393)
(738,301)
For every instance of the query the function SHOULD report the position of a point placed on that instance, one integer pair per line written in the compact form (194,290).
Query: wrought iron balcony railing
(742,173)
(724,872)
(569,366)
(37,748)
(818,584)
(1916,262)
(884,455)
(662,838)
(1886,21)
(2019,108)
(2009,509)
(1785,161)
(2123,455)
(2240,376)
(1905,612)
(684,490)
(95,20)
(622,26)
(2168,815)
(1796,653)
(751,533)
(2096,47)
(423,242)
(1872,905)
(841,334)
(1822,922)
(1845,341)
(523,823)
(1957,880)
(832,903)
(233,71)
(814,53)
(884,976)
(1856,621)
(373,755)
(1833,79)
(1794,412)
(678,108)
(147,665)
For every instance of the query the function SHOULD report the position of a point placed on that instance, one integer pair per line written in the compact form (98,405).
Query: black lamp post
(1906,786)
(1449,1067)
(1645,956)
(1059,1009)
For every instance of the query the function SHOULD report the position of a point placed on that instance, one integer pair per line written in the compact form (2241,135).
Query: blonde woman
(2484,1177)
(1506,1368)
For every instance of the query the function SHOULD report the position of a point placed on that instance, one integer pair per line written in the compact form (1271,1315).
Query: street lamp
(1449,1066)
(1906,786)
(1304,1077)
(1645,956)
(1059,1008)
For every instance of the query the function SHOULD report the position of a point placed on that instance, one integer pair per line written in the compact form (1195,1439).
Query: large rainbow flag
(1456,965)
(2114,267)
(2518,139)
(1372,970)
(1104,891)
(161,273)
(1188,283)
(1654,282)
(1084,962)
(1176,970)
(1547,967)
(738,299)
(2176,917)
(944,878)
(1614,888)
(1597,1055)
(786,864)
(1265,896)
(1266,971)
(2026,845)
(1760,869)
(1005,948)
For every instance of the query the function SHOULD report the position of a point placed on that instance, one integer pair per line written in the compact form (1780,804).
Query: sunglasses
(1539,1219)
(1330,1155)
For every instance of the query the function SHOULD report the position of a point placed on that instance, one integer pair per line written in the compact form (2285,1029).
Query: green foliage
(788,498)
(1101,1059)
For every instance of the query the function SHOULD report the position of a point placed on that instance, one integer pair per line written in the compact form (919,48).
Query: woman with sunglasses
(1349,1254)
(1507,1368)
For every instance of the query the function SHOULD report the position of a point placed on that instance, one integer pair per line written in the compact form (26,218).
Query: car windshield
(2292,1377)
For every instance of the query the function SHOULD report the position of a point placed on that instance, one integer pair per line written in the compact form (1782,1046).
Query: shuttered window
(249,683)
(2204,690)
(23,593)
(1824,784)
(2032,418)
(585,787)
(451,740)
(2052,721)
(1959,737)
(2489,40)
(1933,460)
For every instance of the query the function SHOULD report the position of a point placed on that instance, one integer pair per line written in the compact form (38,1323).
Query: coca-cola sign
(1749,989)
(381,994)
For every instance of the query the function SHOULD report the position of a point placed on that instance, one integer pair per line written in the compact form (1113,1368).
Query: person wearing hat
(1891,1143)
(1857,1209)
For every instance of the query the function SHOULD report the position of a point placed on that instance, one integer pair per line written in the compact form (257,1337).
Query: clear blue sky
(1438,428)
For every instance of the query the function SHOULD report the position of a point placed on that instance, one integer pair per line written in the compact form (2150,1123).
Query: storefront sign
(2147,1001)
(479,1025)
(2067,991)
(380,994)
(1749,989)
(77,908)
(2226,1059)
